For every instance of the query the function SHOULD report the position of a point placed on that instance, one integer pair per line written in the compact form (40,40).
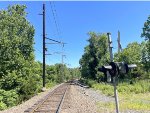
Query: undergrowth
(135,96)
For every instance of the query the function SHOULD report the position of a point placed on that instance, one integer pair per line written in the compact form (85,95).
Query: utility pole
(114,78)
(118,40)
(62,57)
(43,45)
(110,46)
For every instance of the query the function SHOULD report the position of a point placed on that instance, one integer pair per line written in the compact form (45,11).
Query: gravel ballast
(82,100)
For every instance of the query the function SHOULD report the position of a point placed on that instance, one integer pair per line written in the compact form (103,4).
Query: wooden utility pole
(43,46)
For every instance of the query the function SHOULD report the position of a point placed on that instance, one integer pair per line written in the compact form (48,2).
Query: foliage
(2,106)
(131,54)
(16,42)
(145,57)
(134,96)
(105,88)
(50,84)
(139,86)
(59,73)
(74,73)
(146,51)
(134,53)
(95,55)
(17,69)
(8,98)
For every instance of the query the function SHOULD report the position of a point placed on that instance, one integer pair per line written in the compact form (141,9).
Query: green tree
(146,35)
(134,53)
(131,54)
(17,68)
(16,41)
(95,55)
(75,73)
(144,60)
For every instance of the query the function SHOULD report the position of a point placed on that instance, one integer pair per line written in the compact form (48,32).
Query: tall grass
(135,96)
(141,86)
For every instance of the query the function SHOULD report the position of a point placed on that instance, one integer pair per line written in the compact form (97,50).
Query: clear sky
(76,19)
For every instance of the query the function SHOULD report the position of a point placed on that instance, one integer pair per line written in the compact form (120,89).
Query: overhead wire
(36,49)
(55,17)
(54,13)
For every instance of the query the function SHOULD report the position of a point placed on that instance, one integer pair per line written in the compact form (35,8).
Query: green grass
(134,96)
(50,84)
(104,88)
(104,107)
(125,105)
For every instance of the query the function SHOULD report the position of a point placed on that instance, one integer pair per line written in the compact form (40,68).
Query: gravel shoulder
(82,100)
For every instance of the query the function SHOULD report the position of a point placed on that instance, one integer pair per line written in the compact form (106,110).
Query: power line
(36,49)
(54,17)
(57,17)
(54,12)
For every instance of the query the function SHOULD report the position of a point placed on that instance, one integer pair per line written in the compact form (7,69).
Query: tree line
(20,74)
(96,54)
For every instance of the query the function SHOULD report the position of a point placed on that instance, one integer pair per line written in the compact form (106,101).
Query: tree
(16,44)
(134,53)
(95,55)
(74,73)
(131,54)
(146,34)
(17,65)
(144,57)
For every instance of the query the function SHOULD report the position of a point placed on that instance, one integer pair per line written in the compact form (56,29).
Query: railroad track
(52,102)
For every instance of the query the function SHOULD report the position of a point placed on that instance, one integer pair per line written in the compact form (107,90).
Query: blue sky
(76,19)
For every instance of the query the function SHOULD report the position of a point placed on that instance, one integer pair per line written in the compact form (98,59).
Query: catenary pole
(43,45)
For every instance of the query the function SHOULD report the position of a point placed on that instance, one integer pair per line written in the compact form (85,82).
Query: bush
(139,86)
(105,88)
(2,106)
(50,84)
(8,98)
(30,87)
(88,82)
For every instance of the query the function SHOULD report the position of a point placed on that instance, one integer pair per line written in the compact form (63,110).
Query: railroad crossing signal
(115,68)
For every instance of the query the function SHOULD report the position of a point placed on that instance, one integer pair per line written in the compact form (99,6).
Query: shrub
(2,106)
(50,84)
(8,98)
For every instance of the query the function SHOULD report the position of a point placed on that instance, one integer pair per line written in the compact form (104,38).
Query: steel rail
(62,99)
(40,103)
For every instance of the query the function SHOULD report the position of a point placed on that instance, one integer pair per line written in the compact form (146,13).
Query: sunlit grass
(131,97)
(50,84)
(123,106)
